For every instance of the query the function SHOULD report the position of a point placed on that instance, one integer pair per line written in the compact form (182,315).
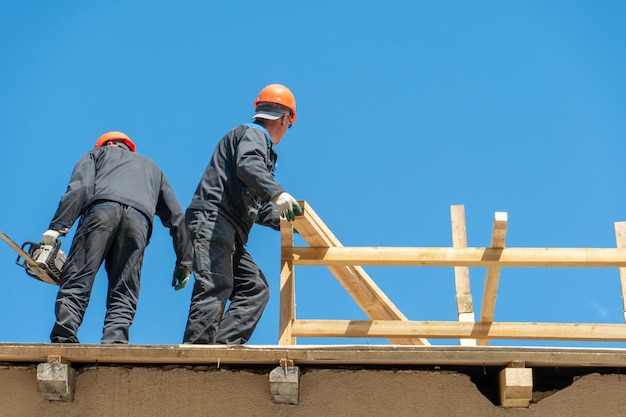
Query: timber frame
(387,321)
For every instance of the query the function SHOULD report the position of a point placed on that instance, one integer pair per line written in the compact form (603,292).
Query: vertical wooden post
(287,287)
(492,276)
(620,239)
(464,305)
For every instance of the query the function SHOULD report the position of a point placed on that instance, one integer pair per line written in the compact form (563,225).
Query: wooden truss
(387,321)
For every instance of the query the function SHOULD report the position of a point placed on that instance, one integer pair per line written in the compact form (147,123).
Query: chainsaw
(42,262)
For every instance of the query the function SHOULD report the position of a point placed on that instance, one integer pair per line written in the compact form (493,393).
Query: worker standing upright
(234,193)
(116,193)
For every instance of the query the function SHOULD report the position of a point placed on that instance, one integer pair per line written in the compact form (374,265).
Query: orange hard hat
(109,136)
(279,94)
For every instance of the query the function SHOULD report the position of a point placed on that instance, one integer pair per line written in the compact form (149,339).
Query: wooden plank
(454,330)
(373,354)
(287,288)
(363,290)
(620,239)
(464,304)
(492,275)
(507,257)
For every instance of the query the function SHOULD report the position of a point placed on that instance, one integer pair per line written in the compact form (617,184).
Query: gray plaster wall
(142,391)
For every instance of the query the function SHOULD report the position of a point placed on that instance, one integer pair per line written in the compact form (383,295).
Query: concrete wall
(190,391)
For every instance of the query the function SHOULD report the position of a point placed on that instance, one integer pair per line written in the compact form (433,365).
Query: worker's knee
(260,293)
(264,292)
(214,285)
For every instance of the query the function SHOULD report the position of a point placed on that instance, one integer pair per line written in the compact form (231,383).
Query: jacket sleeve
(252,169)
(268,216)
(173,217)
(79,190)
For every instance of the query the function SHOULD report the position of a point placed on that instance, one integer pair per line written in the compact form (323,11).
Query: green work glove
(290,215)
(181,277)
(286,204)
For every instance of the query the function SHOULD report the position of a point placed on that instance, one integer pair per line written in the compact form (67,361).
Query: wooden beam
(287,288)
(492,275)
(620,239)
(516,387)
(372,354)
(363,290)
(464,304)
(56,380)
(507,257)
(454,330)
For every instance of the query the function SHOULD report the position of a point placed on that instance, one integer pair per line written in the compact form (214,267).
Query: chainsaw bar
(34,269)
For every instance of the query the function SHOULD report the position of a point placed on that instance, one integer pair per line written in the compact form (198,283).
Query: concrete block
(285,384)
(516,387)
(56,381)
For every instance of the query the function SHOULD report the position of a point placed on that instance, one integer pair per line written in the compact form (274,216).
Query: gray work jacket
(112,173)
(239,181)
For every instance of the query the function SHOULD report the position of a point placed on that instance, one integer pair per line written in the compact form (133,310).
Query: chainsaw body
(46,261)
(49,256)
(42,262)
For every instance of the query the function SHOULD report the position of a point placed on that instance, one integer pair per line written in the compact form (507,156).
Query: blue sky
(404,109)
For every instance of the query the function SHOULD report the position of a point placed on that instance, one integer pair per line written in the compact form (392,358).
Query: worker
(116,193)
(234,193)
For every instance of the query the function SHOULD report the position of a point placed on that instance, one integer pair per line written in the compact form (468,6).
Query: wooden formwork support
(387,321)
(56,379)
(464,304)
(516,385)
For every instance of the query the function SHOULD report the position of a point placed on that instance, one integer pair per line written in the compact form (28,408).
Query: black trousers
(223,271)
(116,235)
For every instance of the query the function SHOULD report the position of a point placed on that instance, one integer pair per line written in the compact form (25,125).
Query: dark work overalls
(117,235)
(116,193)
(233,194)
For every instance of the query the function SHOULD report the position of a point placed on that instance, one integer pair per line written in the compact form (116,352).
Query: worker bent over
(116,193)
